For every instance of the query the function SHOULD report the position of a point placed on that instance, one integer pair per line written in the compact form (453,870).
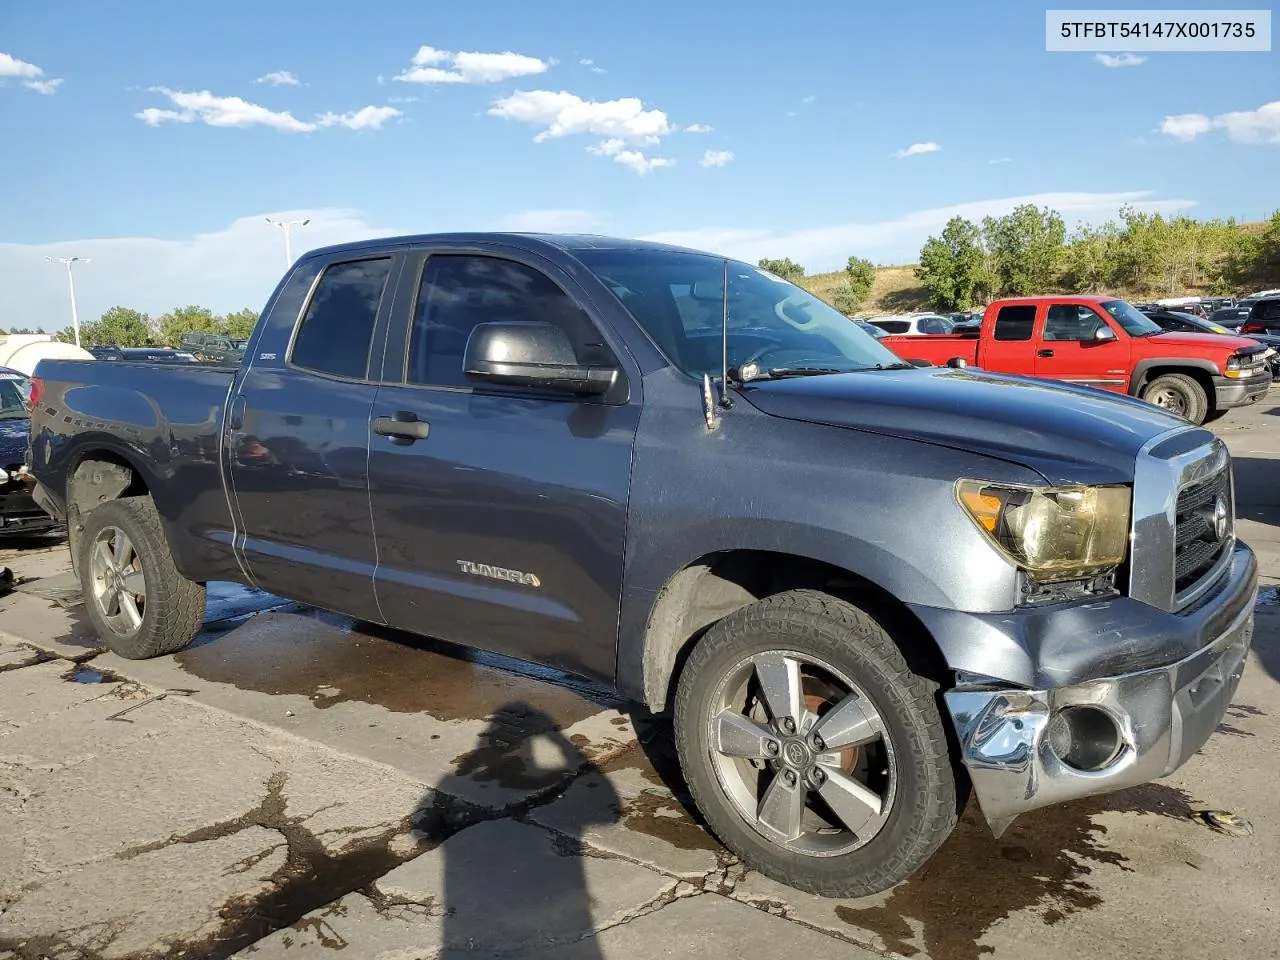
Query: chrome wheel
(119,589)
(802,753)
(1170,399)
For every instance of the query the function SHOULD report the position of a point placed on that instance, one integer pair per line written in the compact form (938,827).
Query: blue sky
(141,160)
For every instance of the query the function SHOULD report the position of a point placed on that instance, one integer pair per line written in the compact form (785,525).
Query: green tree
(1026,247)
(953,266)
(189,319)
(1090,258)
(785,268)
(860,276)
(119,326)
(241,323)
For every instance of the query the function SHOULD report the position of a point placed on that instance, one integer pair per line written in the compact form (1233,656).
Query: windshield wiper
(779,373)
(894,366)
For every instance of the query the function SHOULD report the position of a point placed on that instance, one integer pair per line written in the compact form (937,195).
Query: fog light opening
(1085,738)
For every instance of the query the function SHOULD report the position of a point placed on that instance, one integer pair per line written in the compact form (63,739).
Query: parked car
(1232,318)
(912,325)
(871,328)
(1104,342)
(143,354)
(515,442)
(19,513)
(1174,321)
(1264,317)
(213,347)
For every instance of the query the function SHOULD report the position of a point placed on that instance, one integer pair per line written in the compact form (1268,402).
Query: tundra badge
(498,573)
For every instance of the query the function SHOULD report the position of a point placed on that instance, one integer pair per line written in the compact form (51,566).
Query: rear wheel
(1180,394)
(137,601)
(812,750)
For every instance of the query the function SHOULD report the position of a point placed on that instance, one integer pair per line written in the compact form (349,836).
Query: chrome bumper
(1163,717)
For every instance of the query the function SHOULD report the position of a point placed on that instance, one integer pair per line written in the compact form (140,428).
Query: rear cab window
(1015,322)
(336,331)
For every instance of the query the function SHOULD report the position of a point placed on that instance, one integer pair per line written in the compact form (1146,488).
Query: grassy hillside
(896,289)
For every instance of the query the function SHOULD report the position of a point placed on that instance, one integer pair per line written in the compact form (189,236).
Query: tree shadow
(1257,490)
(505,882)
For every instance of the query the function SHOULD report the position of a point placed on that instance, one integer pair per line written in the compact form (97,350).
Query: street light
(285,225)
(71,282)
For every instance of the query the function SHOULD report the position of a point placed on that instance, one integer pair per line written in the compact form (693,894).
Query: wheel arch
(96,475)
(716,584)
(1202,371)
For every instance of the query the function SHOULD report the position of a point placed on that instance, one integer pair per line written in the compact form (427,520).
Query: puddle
(232,601)
(1043,861)
(82,673)
(327,659)
(1268,597)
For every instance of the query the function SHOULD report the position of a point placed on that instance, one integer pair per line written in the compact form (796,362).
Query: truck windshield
(677,297)
(1135,324)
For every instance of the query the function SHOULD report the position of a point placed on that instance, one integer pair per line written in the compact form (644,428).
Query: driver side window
(1071,322)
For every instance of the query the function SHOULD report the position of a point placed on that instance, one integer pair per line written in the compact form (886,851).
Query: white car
(912,325)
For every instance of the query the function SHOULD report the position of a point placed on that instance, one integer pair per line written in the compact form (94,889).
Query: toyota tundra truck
(1106,343)
(860,588)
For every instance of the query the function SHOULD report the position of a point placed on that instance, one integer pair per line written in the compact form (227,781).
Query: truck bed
(937,348)
(164,420)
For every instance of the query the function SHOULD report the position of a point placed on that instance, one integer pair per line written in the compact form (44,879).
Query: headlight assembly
(1051,533)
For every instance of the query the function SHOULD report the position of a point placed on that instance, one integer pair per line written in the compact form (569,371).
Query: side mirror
(531,354)
(1103,334)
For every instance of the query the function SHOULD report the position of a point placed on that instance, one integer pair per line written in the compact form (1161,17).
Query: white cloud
(564,114)
(280,78)
(47,87)
(32,77)
(918,148)
(217,111)
(716,158)
(632,159)
(899,240)
(698,128)
(588,62)
(1001,160)
(554,221)
(808,99)
(231,268)
(444,66)
(366,118)
(1243,126)
(1122,60)
(220,112)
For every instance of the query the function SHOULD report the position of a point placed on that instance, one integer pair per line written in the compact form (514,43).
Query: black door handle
(404,427)
(1044,353)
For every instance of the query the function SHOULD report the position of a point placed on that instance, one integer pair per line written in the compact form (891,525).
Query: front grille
(1197,546)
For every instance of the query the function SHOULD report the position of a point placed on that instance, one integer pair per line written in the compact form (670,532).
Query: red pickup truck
(1106,343)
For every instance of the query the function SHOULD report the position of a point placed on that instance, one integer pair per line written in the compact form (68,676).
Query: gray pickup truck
(861,588)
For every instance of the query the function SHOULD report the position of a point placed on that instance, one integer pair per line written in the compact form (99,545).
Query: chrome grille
(1176,552)
(1197,545)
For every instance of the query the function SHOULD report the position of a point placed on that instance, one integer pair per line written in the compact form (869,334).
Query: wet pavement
(295,783)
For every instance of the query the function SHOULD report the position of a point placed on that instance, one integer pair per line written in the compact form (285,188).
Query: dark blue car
(18,512)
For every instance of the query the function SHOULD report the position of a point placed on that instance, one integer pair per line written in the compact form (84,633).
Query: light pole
(71,282)
(285,225)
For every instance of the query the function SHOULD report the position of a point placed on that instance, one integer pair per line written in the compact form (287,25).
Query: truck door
(1008,346)
(1070,349)
(298,437)
(499,513)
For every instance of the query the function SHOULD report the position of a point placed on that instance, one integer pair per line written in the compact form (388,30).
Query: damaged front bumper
(19,512)
(1026,749)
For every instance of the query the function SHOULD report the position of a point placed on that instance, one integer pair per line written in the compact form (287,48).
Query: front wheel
(137,600)
(811,749)
(1180,394)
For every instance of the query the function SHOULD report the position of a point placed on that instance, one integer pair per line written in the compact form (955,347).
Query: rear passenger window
(1015,323)
(338,326)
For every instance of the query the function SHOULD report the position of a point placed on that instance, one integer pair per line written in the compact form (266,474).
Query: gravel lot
(292,785)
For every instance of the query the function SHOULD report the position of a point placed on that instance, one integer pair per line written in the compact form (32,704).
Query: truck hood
(13,441)
(1228,344)
(1066,433)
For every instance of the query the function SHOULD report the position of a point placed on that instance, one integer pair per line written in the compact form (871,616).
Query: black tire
(924,808)
(1214,414)
(172,612)
(1185,396)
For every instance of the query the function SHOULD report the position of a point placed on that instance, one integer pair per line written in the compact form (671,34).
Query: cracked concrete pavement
(306,785)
